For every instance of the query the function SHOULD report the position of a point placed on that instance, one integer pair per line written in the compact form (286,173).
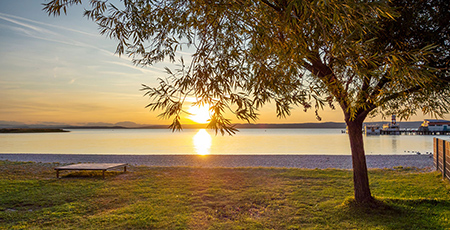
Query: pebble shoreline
(286,161)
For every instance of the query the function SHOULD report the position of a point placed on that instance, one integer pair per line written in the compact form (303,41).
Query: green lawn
(217,198)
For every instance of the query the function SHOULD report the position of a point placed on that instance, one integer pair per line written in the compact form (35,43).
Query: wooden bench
(91,166)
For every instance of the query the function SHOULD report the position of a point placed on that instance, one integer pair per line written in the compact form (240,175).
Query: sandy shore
(289,161)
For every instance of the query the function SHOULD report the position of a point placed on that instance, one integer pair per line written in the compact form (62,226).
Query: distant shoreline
(32,130)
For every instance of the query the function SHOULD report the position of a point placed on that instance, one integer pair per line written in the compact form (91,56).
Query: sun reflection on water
(202,142)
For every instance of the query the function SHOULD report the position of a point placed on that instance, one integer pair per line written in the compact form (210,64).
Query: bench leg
(57,174)
(124,169)
(104,173)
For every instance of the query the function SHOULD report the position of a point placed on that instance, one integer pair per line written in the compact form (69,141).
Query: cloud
(14,19)
(35,29)
(9,18)
(64,35)
(153,70)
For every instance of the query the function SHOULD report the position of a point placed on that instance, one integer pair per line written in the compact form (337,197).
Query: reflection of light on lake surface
(247,141)
(202,142)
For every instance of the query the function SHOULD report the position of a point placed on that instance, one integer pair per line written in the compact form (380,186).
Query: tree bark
(360,176)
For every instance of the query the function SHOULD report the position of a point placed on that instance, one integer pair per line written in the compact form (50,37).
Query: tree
(306,53)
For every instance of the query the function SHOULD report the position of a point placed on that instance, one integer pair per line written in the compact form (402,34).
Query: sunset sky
(60,70)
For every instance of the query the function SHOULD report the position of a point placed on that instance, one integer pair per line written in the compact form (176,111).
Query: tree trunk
(360,177)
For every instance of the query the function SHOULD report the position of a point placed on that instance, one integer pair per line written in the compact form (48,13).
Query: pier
(413,132)
(428,127)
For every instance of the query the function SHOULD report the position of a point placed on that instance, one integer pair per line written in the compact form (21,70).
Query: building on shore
(392,128)
(372,129)
(433,125)
(428,127)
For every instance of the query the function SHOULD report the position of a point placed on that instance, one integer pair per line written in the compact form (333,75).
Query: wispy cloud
(9,18)
(37,30)
(14,19)
(153,70)
(58,34)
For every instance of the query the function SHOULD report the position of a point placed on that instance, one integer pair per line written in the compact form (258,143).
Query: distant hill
(403,124)
(324,125)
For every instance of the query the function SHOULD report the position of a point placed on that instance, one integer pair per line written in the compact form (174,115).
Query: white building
(372,129)
(435,125)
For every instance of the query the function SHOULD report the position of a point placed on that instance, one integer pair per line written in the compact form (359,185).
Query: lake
(204,142)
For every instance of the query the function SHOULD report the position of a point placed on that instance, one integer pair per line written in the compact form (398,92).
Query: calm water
(247,141)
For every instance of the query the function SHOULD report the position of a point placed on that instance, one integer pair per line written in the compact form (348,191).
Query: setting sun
(199,114)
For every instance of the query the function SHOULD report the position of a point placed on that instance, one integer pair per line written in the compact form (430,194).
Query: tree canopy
(420,24)
(294,53)
(367,57)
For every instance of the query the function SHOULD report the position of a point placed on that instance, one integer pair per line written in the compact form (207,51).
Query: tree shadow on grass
(91,174)
(397,214)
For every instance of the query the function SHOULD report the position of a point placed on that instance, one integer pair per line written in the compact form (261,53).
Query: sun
(199,114)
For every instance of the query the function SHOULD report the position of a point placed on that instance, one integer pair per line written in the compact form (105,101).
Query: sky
(59,70)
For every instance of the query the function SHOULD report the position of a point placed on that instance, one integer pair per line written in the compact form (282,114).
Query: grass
(218,198)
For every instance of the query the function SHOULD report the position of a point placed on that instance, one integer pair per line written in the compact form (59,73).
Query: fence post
(436,152)
(444,159)
(442,149)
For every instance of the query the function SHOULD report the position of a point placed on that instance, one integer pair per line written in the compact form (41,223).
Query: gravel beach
(288,161)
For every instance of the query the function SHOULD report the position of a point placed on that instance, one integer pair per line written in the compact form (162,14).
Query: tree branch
(381,83)
(326,75)
(273,6)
